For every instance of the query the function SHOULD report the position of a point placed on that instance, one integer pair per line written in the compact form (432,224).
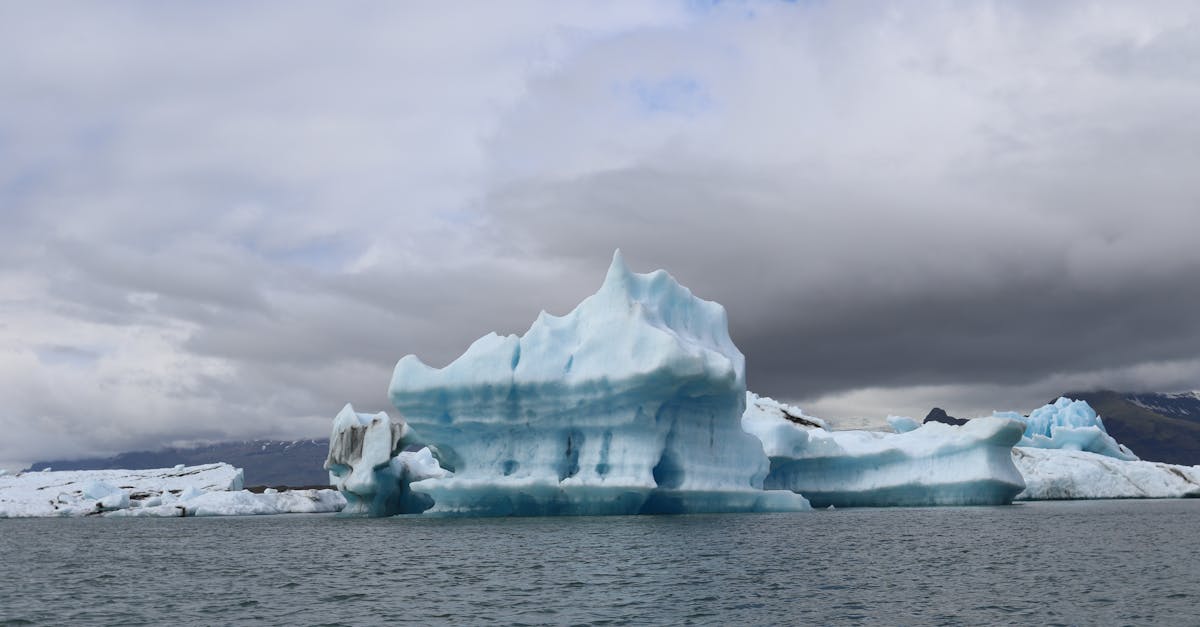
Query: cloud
(217,228)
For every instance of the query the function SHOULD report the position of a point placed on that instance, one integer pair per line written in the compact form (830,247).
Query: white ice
(84,492)
(1067,474)
(204,490)
(242,503)
(631,403)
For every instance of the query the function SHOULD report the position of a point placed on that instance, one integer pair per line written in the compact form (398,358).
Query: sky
(225,220)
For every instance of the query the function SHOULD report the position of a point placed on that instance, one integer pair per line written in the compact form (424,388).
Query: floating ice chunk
(903,424)
(105,495)
(179,467)
(367,465)
(629,404)
(245,503)
(1071,425)
(1067,474)
(933,464)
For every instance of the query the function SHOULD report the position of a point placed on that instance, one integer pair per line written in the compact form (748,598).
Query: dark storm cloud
(896,204)
(831,289)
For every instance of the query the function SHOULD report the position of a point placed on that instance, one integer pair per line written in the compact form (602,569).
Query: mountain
(265,462)
(1185,405)
(937,414)
(1157,427)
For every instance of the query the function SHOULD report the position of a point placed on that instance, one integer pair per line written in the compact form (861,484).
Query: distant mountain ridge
(1185,405)
(264,462)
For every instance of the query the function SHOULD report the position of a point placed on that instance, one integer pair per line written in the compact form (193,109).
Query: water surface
(1069,563)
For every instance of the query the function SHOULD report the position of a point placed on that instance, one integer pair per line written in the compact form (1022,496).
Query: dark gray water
(1083,563)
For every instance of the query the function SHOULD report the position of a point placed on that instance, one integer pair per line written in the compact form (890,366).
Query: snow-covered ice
(1066,474)
(82,492)
(933,464)
(1068,424)
(631,403)
(208,489)
(241,503)
(764,412)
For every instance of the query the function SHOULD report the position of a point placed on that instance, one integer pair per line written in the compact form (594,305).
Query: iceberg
(931,464)
(1071,425)
(1054,474)
(368,465)
(203,490)
(631,403)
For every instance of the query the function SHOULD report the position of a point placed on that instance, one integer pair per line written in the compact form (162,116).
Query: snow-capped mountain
(1184,405)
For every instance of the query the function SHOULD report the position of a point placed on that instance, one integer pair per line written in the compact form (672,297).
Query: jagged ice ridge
(1068,424)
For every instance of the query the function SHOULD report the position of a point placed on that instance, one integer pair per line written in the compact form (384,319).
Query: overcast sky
(225,220)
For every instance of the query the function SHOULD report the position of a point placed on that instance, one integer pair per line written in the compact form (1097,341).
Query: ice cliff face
(933,464)
(631,403)
(1071,425)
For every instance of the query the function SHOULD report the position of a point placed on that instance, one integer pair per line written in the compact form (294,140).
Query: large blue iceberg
(631,403)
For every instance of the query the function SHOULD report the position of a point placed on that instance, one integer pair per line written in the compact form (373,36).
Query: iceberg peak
(619,282)
(617,270)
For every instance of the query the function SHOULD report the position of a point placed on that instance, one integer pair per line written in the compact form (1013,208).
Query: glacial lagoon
(1067,563)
